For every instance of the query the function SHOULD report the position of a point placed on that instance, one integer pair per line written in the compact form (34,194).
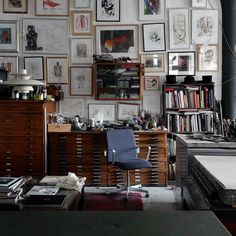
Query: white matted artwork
(153,62)
(126,111)
(72,107)
(151,102)
(199,3)
(35,66)
(11,63)
(101,112)
(82,3)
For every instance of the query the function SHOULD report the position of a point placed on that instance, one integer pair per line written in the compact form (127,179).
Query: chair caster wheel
(147,195)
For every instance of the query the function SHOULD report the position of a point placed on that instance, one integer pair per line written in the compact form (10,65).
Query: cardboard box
(59,127)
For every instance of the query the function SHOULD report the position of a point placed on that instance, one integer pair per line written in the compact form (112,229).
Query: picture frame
(107,40)
(15,7)
(153,62)
(11,63)
(207,57)
(179,29)
(52,8)
(181,63)
(108,10)
(199,3)
(35,66)
(81,82)
(154,37)
(81,50)
(101,112)
(82,22)
(205,26)
(151,12)
(71,107)
(82,3)
(126,111)
(57,70)
(152,82)
(9,36)
(45,35)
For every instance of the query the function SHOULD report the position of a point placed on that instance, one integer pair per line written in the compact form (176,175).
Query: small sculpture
(31,38)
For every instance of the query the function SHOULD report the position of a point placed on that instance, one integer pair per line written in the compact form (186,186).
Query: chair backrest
(123,142)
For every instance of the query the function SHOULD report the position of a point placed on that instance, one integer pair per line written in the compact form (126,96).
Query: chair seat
(131,164)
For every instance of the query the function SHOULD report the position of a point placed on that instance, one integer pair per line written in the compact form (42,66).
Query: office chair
(122,152)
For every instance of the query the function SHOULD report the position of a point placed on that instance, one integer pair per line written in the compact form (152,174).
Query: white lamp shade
(23,88)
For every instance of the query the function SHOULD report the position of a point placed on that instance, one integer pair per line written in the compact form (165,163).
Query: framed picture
(151,10)
(46,36)
(82,22)
(82,3)
(153,62)
(35,67)
(101,112)
(11,63)
(81,50)
(199,3)
(179,28)
(9,40)
(205,26)
(117,40)
(15,6)
(125,111)
(181,63)
(57,70)
(81,81)
(52,8)
(152,82)
(207,57)
(73,107)
(108,10)
(154,37)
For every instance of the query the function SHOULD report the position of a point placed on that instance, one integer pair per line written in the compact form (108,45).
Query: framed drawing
(207,57)
(57,70)
(125,111)
(151,10)
(101,112)
(81,50)
(82,22)
(199,3)
(153,62)
(181,63)
(52,8)
(179,28)
(81,81)
(73,107)
(10,6)
(117,40)
(152,82)
(9,40)
(35,67)
(154,37)
(82,3)
(108,10)
(48,36)
(205,26)
(11,63)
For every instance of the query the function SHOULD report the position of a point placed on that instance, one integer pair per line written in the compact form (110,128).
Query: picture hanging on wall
(153,62)
(101,112)
(126,111)
(82,3)
(20,7)
(152,82)
(73,107)
(199,3)
(11,63)
(35,67)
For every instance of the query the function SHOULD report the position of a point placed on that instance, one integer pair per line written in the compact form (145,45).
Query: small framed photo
(108,10)
(101,112)
(81,50)
(181,63)
(57,70)
(125,111)
(154,37)
(82,22)
(153,62)
(11,63)
(152,82)
(199,3)
(20,7)
(82,3)
(207,57)
(81,81)
(9,40)
(35,67)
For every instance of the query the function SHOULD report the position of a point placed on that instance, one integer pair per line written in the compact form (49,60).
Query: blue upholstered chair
(122,152)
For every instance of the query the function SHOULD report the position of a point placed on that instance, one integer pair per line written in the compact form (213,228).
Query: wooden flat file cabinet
(83,154)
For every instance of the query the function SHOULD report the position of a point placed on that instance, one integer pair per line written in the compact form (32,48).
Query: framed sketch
(46,36)
(35,67)
(154,37)
(52,8)
(108,10)
(81,81)
(57,70)
(9,40)
(101,112)
(152,82)
(125,111)
(207,57)
(82,3)
(15,6)
(181,63)
(179,28)
(117,40)
(81,50)
(11,63)
(151,10)
(205,26)
(199,3)
(153,62)
(73,107)
(82,22)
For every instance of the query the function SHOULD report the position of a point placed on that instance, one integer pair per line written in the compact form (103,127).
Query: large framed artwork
(11,63)
(153,62)
(35,67)
(179,28)
(82,3)
(126,111)
(101,112)
(199,3)
(117,40)
(46,36)
(20,7)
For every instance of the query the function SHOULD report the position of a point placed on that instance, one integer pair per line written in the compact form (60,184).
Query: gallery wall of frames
(43,35)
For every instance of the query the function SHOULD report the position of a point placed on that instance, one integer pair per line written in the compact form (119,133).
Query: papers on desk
(43,190)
